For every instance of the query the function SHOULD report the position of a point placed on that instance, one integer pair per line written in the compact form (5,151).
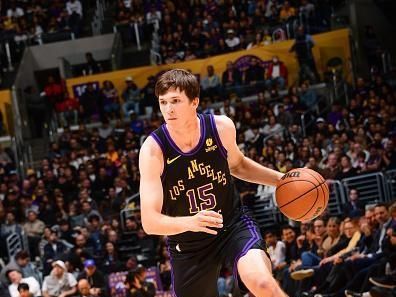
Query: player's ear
(195,102)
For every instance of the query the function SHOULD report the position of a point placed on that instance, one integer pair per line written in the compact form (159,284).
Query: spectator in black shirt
(91,66)
(346,168)
(231,76)
(94,277)
(254,73)
(135,287)
(353,208)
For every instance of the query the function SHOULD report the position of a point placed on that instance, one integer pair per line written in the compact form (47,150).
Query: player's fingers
(210,231)
(209,222)
(211,213)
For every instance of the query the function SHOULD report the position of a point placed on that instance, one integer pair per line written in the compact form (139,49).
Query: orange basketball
(302,194)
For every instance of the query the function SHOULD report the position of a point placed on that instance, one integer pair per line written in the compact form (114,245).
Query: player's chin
(171,120)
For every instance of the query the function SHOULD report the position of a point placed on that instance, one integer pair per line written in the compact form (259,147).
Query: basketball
(302,194)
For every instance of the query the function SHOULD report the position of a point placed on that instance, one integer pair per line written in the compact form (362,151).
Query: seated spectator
(258,41)
(24,290)
(90,101)
(210,84)
(273,127)
(332,168)
(10,225)
(165,267)
(94,277)
(15,11)
(231,76)
(59,282)
(254,74)
(81,250)
(91,66)
(333,237)
(53,250)
(110,260)
(67,110)
(148,286)
(287,11)
(34,229)
(308,96)
(75,11)
(276,250)
(134,286)
(110,99)
(20,262)
(276,74)
(346,169)
(374,162)
(232,41)
(132,97)
(227,109)
(15,278)
(84,289)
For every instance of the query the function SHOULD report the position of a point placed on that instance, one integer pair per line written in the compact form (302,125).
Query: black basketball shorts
(196,266)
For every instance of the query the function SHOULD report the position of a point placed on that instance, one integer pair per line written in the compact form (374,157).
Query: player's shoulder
(150,147)
(223,123)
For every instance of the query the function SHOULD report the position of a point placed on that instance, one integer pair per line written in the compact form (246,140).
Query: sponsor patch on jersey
(210,146)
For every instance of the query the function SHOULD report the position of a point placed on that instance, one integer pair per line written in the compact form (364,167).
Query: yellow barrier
(6,110)
(327,45)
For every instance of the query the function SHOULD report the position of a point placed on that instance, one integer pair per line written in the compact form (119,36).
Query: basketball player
(187,193)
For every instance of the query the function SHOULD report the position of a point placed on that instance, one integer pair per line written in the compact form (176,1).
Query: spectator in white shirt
(276,250)
(74,6)
(154,17)
(59,282)
(15,11)
(232,41)
(15,278)
(227,109)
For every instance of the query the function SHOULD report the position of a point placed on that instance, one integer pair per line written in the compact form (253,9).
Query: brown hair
(178,79)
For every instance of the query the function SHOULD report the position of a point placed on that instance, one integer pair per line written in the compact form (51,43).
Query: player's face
(176,108)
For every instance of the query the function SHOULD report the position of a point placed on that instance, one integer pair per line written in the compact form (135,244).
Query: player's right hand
(204,220)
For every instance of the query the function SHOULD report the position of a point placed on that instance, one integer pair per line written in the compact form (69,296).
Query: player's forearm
(159,224)
(251,171)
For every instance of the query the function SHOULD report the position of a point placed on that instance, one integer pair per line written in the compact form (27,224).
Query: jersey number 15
(201,198)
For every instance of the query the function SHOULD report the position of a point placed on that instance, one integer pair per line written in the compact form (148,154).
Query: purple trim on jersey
(172,275)
(247,246)
(161,145)
(195,149)
(216,135)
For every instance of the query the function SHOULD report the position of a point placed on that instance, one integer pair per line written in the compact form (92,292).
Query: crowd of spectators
(24,22)
(199,30)
(70,208)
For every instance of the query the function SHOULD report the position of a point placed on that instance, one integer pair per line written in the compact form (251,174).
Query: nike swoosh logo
(170,161)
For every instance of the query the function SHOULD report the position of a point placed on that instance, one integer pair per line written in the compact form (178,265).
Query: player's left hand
(204,220)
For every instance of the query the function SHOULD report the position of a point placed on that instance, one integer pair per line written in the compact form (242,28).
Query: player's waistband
(198,238)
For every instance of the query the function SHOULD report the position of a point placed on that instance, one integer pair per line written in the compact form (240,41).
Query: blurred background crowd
(73,219)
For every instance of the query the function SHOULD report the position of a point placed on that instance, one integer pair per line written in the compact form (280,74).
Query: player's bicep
(150,166)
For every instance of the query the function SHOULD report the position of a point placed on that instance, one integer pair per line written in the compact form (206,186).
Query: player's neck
(186,135)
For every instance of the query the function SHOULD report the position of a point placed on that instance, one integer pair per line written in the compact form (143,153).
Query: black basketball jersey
(197,180)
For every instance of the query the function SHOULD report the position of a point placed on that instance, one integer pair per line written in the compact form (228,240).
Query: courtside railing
(372,187)
(337,197)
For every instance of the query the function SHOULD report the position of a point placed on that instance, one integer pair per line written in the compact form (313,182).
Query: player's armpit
(227,134)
